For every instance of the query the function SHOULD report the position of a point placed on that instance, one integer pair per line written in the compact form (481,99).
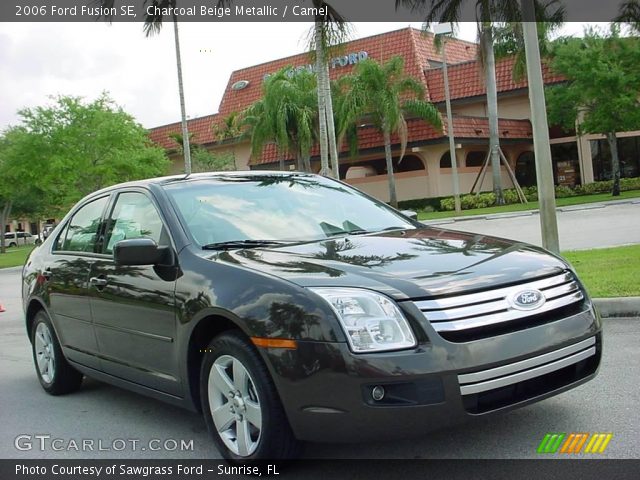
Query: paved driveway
(580,227)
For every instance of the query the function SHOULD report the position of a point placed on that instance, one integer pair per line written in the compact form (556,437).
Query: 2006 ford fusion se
(289,307)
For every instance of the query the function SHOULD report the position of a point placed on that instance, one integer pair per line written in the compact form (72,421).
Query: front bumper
(326,389)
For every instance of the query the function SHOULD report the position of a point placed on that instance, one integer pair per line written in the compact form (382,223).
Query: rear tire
(250,422)
(56,376)
(12,244)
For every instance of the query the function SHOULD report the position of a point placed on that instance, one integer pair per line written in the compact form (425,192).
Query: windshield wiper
(241,244)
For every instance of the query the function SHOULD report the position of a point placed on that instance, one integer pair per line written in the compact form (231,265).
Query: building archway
(526,169)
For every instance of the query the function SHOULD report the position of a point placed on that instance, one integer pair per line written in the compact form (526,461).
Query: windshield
(293,208)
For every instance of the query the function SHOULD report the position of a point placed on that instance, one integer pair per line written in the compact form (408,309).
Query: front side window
(277,208)
(134,216)
(82,231)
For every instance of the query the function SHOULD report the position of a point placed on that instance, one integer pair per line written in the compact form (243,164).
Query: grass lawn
(517,207)
(15,256)
(608,272)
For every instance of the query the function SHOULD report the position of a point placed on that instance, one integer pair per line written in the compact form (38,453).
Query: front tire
(56,376)
(240,403)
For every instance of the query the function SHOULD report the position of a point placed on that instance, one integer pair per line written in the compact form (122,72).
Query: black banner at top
(281,10)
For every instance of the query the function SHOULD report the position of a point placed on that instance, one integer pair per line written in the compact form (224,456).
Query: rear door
(67,274)
(133,307)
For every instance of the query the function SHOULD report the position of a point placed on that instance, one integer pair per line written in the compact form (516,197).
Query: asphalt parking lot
(104,414)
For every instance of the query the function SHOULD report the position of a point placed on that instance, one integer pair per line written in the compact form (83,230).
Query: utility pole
(541,146)
(186,147)
(442,30)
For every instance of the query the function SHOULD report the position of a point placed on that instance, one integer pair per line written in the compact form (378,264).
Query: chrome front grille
(477,311)
(516,372)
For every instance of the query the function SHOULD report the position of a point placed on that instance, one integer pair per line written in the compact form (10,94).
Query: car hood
(416,263)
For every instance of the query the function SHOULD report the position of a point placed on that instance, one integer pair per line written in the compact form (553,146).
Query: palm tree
(385,94)
(329,30)
(489,14)
(286,115)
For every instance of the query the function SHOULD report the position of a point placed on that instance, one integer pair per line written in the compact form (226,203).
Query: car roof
(171,179)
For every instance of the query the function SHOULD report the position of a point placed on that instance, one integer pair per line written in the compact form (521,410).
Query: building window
(475,158)
(378,166)
(445,160)
(628,154)
(566,167)
(409,163)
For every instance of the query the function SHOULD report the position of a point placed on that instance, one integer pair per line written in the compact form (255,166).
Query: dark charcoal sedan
(289,307)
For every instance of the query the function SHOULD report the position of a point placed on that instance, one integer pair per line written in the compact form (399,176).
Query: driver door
(133,307)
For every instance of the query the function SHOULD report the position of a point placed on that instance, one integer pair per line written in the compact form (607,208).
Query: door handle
(98,282)
(47,274)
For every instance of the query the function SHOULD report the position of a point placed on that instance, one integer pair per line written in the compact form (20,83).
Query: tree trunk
(486,43)
(306,161)
(322,116)
(281,163)
(4,218)
(185,131)
(333,147)
(299,164)
(393,199)
(615,163)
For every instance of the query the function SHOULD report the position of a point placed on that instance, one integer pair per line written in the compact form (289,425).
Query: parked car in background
(13,239)
(290,307)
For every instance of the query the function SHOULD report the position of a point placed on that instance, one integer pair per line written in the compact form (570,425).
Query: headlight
(372,322)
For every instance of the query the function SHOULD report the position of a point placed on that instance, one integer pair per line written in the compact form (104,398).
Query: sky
(39,60)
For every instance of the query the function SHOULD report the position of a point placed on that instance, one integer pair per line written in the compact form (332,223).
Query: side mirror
(140,251)
(410,213)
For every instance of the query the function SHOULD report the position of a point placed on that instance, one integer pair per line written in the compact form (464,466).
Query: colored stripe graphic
(598,443)
(573,443)
(551,442)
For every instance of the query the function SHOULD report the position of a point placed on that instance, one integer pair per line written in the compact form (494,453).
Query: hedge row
(468,202)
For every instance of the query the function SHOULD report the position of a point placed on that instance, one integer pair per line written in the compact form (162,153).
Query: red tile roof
(419,131)
(414,46)
(466,79)
(200,128)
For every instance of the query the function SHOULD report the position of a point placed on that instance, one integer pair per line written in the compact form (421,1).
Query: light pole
(541,146)
(442,30)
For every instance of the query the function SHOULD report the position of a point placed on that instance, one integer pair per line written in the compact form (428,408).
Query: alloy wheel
(235,406)
(44,352)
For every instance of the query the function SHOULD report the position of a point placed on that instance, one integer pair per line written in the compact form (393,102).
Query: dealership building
(425,171)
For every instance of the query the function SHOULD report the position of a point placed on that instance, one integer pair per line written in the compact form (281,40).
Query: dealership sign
(337,62)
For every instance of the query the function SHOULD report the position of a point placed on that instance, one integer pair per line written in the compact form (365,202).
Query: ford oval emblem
(528,299)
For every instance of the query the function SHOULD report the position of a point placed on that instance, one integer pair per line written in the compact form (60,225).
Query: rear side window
(134,216)
(80,235)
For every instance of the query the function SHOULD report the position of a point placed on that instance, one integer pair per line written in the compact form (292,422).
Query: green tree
(385,95)
(202,159)
(286,115)
(601,91)
(63,151)
(229,128)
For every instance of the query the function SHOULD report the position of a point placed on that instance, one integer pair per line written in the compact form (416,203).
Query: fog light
(377,393)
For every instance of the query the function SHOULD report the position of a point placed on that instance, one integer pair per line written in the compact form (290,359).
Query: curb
(618,307)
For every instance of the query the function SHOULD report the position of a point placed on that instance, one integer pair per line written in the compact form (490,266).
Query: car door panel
(133,307)
(67,277)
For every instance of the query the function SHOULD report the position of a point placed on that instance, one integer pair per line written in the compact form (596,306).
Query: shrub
(531,193)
